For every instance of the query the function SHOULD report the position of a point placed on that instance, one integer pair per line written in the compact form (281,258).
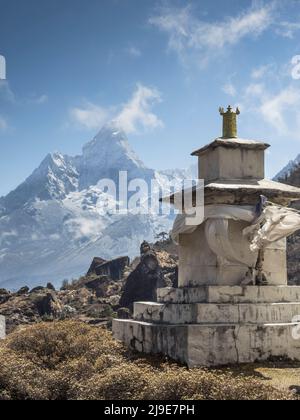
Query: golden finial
(229,122)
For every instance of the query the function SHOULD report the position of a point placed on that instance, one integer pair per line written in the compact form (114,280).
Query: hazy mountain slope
(55,222)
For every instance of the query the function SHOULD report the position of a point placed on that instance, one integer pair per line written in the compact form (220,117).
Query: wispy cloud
(133,51)
(40,100)
(187,33)
(229,89)
(262,71)
(90,116)
(274,108)
(278,106)
(132,117)
(3,124)
(274,97)
(288,29)
(137,112)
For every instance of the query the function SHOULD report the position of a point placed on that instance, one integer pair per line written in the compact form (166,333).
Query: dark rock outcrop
(98,285)
(37,289)
(95,263)
(143,282)
(4,296)
(114,269)
(44,303)
(23,291)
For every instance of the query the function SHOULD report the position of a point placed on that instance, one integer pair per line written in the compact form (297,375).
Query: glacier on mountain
(51,226)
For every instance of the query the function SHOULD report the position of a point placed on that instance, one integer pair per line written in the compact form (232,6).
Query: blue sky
(161,67)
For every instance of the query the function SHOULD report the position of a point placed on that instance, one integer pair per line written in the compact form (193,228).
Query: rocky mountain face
(56,221)
(288,172)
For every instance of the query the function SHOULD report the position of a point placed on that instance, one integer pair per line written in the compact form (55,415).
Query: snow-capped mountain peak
(56,221)
(55,178)
(108,153)
(288,169)
(110,143)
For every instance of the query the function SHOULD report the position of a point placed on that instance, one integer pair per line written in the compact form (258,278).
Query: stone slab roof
(232,144)
(245,192)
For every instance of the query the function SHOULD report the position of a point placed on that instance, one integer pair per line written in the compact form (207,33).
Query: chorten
(233,303)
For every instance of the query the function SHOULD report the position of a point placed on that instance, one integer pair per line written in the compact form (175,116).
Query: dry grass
(71,360)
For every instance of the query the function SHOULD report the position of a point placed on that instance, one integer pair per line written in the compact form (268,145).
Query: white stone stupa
(233,304)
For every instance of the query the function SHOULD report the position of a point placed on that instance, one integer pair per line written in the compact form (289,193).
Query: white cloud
(137,112)
(36,100)
(274,98)
(134,51)
(262,71)
(279,109)
(90,116)
(255,89)
(40,100)
(189,34)
(229,89)
(133,116)
(3,124)
(288,29)
(274,108)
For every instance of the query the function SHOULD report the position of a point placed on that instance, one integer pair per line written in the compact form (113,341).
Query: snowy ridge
(55,222)
(288,169)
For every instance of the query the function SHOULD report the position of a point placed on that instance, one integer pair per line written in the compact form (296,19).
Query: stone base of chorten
(2,327)
(216,325)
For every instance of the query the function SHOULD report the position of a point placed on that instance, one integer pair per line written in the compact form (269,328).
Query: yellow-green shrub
(71,360)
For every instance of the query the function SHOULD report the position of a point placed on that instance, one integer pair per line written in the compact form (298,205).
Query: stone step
(230,294)
(211,345)
(211,313)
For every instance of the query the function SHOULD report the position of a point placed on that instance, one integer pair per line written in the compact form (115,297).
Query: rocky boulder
(143,282)
(95,263)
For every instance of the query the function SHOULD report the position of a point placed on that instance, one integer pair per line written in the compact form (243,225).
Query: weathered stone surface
(220,313)
(216,325)
(215,162)
(229,294)
(243,193)
(210,345)
(199,265)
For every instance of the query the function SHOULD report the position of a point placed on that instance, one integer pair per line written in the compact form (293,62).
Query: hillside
(93,298)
